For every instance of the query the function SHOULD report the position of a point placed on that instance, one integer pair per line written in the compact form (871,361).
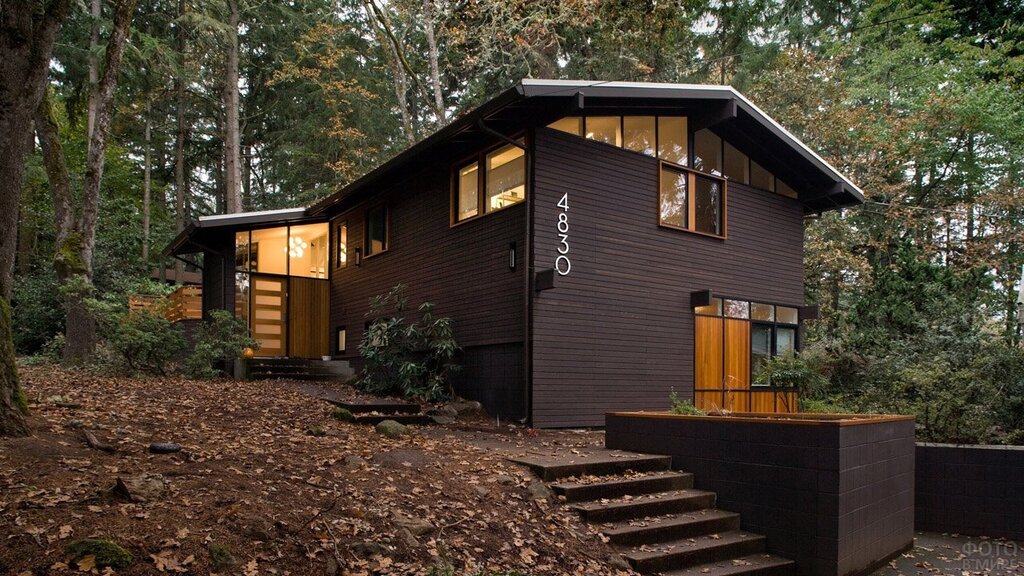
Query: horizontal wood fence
(185,303)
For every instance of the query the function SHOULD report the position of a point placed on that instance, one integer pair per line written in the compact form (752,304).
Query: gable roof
(818,184)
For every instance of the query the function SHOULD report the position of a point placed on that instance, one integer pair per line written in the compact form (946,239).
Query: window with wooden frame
(492,180)
(341,244)
(692,201)
(377,231)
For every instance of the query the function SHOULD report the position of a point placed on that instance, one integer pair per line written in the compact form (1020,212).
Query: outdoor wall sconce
(512,257)
(359,256)
(700,298)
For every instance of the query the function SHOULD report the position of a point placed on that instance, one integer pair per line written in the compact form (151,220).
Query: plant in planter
(792,370)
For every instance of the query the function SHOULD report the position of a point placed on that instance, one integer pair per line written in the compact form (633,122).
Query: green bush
(146,342)
(37,310)
(683,407)
(220,340)
(414,359)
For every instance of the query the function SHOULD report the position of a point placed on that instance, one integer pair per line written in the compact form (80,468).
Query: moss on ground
(106,552)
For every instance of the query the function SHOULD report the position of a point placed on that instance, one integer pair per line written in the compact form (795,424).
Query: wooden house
(597,244)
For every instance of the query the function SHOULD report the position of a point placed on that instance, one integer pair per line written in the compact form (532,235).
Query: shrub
(791,370)
(146,342)
(683,407)
(220,340)
(414,359)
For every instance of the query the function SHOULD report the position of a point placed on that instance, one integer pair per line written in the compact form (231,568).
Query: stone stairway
(297,369)
(373,413)
(654,517)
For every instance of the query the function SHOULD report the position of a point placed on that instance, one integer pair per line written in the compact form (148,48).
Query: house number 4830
(562,263)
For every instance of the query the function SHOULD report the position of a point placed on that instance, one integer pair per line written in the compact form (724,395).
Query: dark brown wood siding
(219,274)
(617,333)
(463,270)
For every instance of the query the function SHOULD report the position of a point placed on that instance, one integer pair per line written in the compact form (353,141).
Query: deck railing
(185,303)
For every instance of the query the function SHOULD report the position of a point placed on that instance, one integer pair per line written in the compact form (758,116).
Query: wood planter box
(835,493)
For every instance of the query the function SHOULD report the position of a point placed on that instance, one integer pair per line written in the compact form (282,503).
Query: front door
(267,316)
(308,311)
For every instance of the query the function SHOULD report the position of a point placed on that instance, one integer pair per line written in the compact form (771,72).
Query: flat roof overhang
(192,238)
(818,184)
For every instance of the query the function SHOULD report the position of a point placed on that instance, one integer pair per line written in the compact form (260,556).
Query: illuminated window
(672,139)
(506,178)
(342,247)
(376,230)
(707,152)
(640,134)
(570,124)
(308,251)
(713,309)
(607,129)
(502,183)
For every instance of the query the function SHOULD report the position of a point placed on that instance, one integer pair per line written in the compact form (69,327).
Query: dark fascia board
(538,90)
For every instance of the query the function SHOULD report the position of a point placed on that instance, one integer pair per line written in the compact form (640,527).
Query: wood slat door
(267,314)
(708,370)
(308,318)
(737,365)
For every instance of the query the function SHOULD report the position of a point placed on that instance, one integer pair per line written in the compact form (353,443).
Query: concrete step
(617,487)
(409,419)
(600,463)
(661,529)
(647,505)
(381,407)
(689,552)
(750,565)
(260,375)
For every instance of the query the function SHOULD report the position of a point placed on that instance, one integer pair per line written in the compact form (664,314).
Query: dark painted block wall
(463,270)
(219,274)
(837,499)
(616,333)
(975,490)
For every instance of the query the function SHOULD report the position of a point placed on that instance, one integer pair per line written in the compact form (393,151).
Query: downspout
(528,287)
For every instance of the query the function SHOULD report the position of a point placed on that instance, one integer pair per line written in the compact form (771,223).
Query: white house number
(562,264)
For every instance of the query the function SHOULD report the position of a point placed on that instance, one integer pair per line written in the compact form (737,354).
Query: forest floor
(268,483)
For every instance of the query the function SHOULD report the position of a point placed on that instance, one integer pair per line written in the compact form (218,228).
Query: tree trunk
(146,187)
(76,237)
(398,72)
(27,34)
(95,12)
(435,73)
(180,180)
(232,143)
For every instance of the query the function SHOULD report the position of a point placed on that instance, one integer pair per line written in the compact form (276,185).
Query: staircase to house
(297,369)
(654,517)
(373,413)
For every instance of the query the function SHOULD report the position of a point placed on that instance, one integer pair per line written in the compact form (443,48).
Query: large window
(773,330)
(376,230)
(286,250)
(502,183)
(692,201)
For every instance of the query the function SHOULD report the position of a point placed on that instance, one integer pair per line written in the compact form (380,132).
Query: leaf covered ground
(268,483)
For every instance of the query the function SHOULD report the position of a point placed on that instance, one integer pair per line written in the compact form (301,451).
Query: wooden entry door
(308,312)
(267,314)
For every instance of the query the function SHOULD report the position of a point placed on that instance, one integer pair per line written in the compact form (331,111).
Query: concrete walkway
(944,554)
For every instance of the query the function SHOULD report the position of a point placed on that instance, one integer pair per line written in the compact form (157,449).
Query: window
(761,178)
(773,333)
(307,251)
(736,166)
(672,140)
(737,309)
(673,197)
(782,188)
(502,183)
(340,338)
(707,152)
(242,251)
(639,134)
(376,230)
(607,129)
(570,124)
(268,251)
(506,178)
(691,201)
(342,245)
(707,197)
(713,309)
(469,191)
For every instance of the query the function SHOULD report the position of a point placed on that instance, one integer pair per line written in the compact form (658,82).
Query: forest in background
(251,105)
